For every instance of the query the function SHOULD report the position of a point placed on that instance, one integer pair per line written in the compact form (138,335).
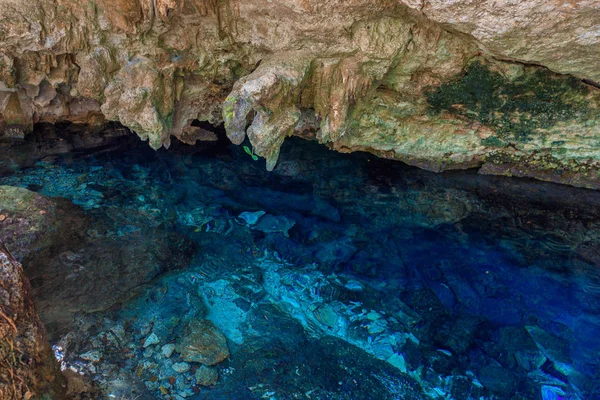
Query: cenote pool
(194,273)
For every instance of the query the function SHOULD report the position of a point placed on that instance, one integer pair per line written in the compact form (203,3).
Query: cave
(303,200)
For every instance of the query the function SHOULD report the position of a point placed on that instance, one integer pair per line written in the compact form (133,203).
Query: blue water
(371,279)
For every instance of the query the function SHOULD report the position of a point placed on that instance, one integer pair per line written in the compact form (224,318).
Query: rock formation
(58,243)
(28,368)
(505,86)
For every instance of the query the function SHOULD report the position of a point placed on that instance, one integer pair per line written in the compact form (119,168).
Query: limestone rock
(150,340)
(511,87)
(29,368)
(181,368)
(561,35)
(274,224)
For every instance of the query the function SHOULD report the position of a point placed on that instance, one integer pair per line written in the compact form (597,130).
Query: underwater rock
(206,376)
(32,222)
(517,342)
(497,379)
(28,367)
(167,350)
(200,341)
(335,252)
(150,340)
(93,356)
(279,202)
(99,278)
(274,224)
(251,218)
(58,243)
(554,393)
(552,346)
(181,368)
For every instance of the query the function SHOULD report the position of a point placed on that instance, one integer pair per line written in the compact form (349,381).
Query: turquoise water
(333,277)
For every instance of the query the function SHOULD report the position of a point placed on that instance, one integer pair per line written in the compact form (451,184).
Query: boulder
(58,243)
(200,341)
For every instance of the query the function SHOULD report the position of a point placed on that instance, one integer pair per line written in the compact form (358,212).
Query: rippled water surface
(333,277)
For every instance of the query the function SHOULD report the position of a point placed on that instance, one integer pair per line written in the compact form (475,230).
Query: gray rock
(206,376)
(168,349)
(93,356)
(150,340)
(181,368)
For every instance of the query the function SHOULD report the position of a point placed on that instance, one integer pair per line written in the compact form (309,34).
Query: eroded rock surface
(28,368)
(509,86)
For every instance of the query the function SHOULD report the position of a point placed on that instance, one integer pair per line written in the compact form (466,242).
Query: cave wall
(505,86)
(28,368)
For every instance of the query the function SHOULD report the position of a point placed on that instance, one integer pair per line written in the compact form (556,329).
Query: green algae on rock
(524,102)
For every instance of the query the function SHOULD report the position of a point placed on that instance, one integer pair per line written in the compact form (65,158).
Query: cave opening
(195,272)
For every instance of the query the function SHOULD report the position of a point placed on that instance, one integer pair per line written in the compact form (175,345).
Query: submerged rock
(76,263)
(206,376)
(251,218)
(150,340)
(181,368)
(497,379)
(200,341)
(274,224)
(167,350)
(32,223)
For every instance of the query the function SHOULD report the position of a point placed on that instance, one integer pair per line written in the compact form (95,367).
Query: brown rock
(27,365)
(202,342)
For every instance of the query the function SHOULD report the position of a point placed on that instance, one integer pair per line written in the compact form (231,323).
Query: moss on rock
(516,108)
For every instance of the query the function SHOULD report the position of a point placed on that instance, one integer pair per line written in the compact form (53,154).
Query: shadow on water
(360,277)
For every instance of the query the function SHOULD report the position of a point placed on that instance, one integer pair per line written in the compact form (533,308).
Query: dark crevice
(591,83)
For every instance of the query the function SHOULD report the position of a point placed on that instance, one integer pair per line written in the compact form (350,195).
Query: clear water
(370,280)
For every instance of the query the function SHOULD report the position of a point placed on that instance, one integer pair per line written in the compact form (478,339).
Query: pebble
(150,340)
(181,368)
(148,352)
(168,349)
